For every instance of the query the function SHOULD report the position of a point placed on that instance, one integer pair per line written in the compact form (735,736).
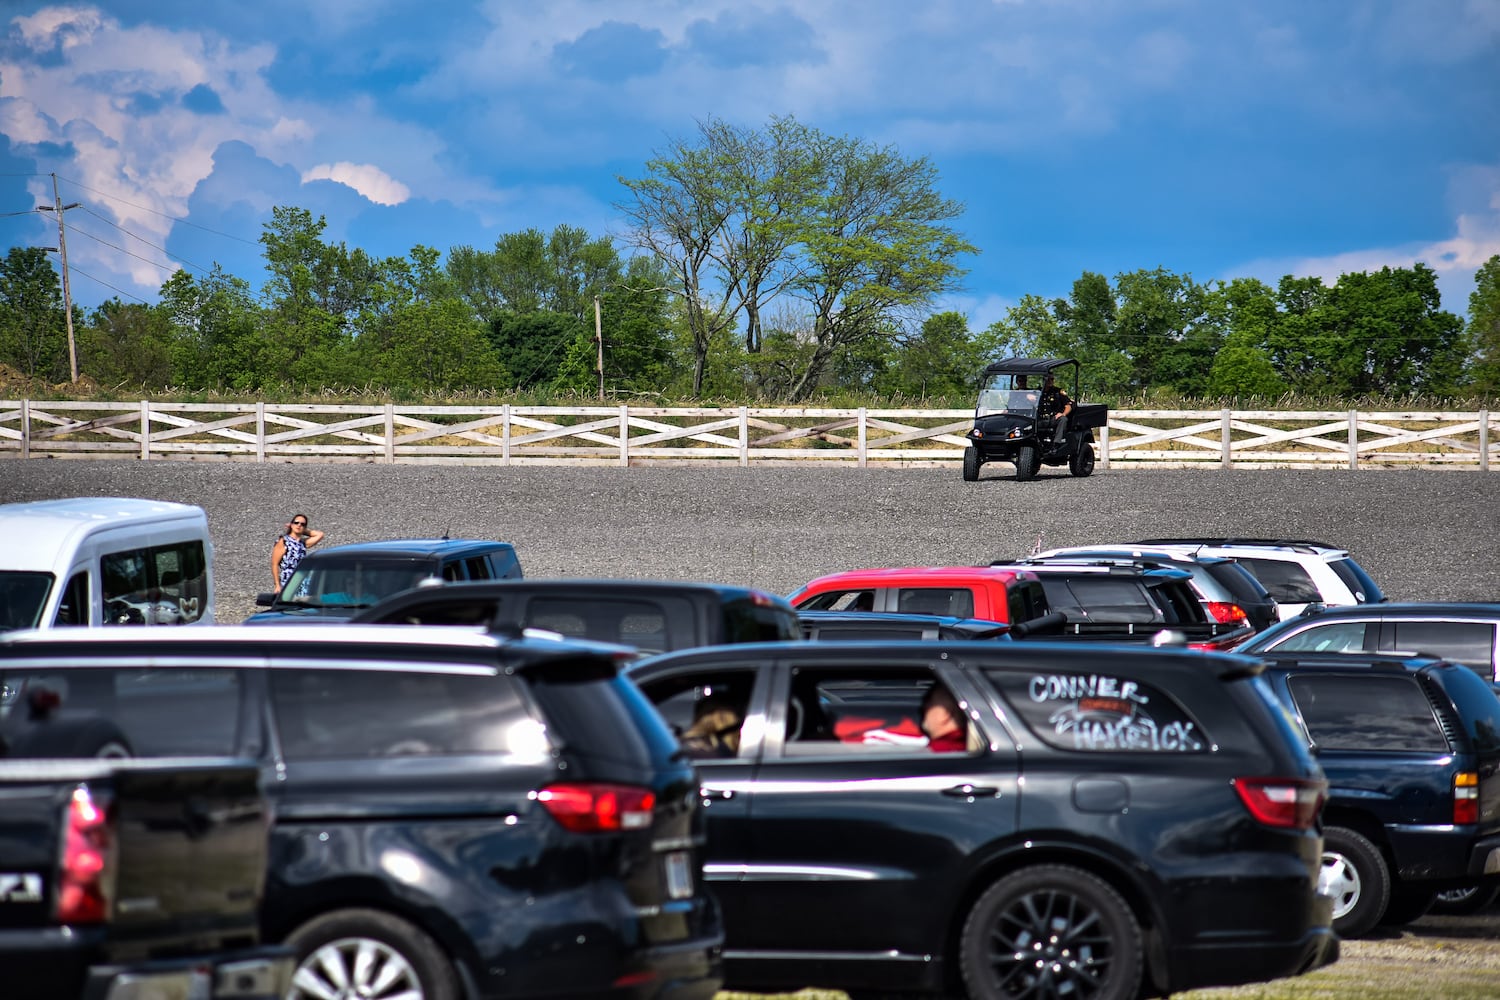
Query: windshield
(1000,395)
(22,598)
(351,584)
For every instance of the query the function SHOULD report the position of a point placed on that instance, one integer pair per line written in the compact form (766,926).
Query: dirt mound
(15,384)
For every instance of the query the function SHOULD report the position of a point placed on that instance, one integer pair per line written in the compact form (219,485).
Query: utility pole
(62,249)
(599,339)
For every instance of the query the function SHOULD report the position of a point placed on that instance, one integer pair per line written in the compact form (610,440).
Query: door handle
(712,794)
(972,792)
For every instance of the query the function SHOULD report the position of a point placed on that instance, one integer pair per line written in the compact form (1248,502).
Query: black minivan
(457,814)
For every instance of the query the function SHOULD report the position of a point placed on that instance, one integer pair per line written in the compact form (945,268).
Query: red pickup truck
(999,595)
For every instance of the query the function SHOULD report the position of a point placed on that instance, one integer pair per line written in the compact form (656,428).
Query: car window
(1469,643)
(602,713)
(1335,637)
(153,712)
(1099,712)
(853,711)
(642,623)
(1478,708)
(706,710)
(1357,580)
(22,597)
(841,600)
(1286,581)
(1240,582)
(74,607)
(748,620)
(1101,599)
(1364,712)
(363,713)
(955,602)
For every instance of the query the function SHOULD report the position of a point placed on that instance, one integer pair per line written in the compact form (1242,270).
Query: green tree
(216,336)
(428,345)
(33,327)
(127,344)
(1246,309)
(940,360)
(1163,325)
(1085,328)
(1484,327)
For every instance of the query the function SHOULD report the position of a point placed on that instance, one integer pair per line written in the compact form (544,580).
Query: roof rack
(1241,540)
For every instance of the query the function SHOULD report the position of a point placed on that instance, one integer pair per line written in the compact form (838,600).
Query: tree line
(777,264)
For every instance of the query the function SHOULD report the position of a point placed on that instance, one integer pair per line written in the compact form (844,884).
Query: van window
(74,607)
(1469,643)
(22,597)
(159,585)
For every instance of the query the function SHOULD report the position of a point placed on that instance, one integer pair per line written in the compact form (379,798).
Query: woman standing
(291,547)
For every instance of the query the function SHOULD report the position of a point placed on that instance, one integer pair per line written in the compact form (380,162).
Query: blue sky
(1214,139)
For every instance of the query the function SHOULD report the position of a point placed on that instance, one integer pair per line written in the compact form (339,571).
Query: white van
(104,561)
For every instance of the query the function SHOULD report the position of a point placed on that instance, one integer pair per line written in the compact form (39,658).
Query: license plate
(679,875)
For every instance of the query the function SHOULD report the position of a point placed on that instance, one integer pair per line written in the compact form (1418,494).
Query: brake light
(1465,798)
(597,807)
(1227,612)
(1287,803)
(86,881)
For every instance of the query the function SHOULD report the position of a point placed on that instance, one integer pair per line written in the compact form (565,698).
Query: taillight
(1227,612)
(1288,803)
(596,807)
(86,881)
(1465,797)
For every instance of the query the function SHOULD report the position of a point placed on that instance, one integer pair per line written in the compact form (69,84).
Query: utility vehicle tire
(371,954)
(1356,876)
(1051,931)
(971,464)
(1082,462)
(1028,462)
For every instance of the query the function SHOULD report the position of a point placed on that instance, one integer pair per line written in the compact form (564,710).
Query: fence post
(864,454)
(624,435)
(1484,440)
(505,434)
(26,428)
(260,432)
(1104,446)
(1353,439)
(744,435)
(390,432)
(145,430)
(1224,441)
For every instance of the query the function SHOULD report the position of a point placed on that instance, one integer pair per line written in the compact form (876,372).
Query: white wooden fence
(636,435)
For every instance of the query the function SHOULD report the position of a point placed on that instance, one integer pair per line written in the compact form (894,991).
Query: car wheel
(1462,902)
(1082,462)
(1028,461)
(1356,877)
(1051,931)
(971,464)
(371,955)
(1407,903)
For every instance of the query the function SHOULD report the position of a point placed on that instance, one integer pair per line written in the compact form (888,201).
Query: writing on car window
(1100,712)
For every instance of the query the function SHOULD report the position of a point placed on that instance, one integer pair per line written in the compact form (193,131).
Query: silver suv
(1296,572)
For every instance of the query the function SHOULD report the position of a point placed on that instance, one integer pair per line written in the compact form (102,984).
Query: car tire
(1082,462)
(361,949)
(1407,903)
(1356,876)
(1028,462)
(1051,930)
(971,464)
(1462,902)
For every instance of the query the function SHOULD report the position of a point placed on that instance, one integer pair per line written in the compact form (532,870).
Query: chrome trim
(801,873)
(827,956)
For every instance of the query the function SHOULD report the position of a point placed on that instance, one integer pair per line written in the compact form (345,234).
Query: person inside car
(1056,404)
(715,731)
(943,721)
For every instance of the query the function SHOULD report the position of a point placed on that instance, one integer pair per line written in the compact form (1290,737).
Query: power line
(164,215)
(133,236)
(78,270)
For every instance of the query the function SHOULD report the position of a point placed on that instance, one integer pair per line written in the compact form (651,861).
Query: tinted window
(1335,637)
(748,621)
(1470,643)
(852,711)
(956,602)
(340,583)
(1478,707)
(841,600)
(73,609)
(1364,712)
(158,585)
(603,714)
(705,710)
(1101,599)
(159,713)
(640,623)
(1100,712)
(1286,581)
(886,633)
(1240,583)
(367,713)
(21,598)
(1357,580)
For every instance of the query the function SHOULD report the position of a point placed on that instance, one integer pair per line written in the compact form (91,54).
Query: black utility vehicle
(332,585)
(456,814)
(1114,822)
(1015,419)
(1411,748)
(131,879)
(654,616)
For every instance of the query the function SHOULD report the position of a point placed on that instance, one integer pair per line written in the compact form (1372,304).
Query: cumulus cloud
(370,181)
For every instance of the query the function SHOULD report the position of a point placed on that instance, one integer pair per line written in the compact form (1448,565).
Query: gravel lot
(1423,534)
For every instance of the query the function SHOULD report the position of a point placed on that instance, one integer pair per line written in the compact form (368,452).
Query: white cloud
(370,181)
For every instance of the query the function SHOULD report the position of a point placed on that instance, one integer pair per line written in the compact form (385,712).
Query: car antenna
(1036,548)
(446,529)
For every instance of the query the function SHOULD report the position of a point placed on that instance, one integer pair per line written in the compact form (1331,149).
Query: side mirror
(266,600)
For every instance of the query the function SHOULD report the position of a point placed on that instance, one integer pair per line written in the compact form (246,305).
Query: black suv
(1107,821)
(1411,749)
(456,814)
(1017,420)
(654,616)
